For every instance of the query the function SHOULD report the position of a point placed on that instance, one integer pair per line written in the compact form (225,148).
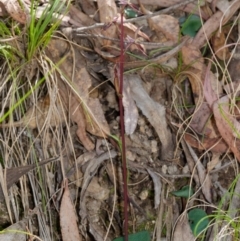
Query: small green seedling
(130,13)
(139,236)
(186,192)
(191,25)
(198,220)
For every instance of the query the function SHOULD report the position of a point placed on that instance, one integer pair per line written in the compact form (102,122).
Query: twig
(157,45)
(166,10)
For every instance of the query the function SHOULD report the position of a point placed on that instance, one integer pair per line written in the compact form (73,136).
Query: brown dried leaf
(200,118)
(86,112)
(192,56)
(130,109)
(183,230)
(97,124)
(108,11)
(214,22)
(218,43)
(225,124)
(198,74)
(68,219)
(214,161)
(166,25)
(88,7)
(95,119)
(214,144)
(76,114)
(131,30)
(96,191)
(15,10)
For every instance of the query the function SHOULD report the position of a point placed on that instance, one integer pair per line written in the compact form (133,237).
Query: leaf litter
(182,130)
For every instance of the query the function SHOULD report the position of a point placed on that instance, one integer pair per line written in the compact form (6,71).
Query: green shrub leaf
(191,25)
(139,236)
(198,220)
(186,192)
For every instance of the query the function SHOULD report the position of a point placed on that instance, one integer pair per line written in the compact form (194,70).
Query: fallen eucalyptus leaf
(155,113)
(68,219)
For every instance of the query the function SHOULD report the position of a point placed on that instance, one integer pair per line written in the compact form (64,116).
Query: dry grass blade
(73,86)
(206,183)
(38,115)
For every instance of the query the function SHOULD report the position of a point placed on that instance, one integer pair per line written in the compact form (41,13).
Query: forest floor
(61,150)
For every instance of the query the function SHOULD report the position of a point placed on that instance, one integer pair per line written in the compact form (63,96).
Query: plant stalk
(124,162)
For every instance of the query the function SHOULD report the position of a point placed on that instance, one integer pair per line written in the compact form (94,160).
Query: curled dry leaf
(68,219)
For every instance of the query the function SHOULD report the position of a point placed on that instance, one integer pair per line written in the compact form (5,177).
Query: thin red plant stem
(124,162)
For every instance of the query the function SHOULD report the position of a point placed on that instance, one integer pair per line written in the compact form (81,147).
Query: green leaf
(139,236)
(130,13)
(198,220)
(191,25)
(186,192)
